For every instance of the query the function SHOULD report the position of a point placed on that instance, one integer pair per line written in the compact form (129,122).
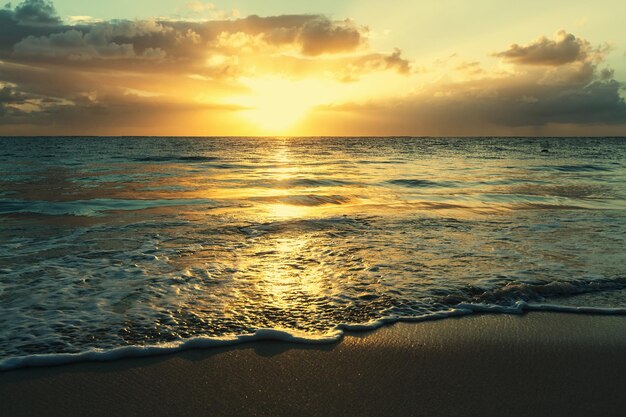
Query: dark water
(109,242)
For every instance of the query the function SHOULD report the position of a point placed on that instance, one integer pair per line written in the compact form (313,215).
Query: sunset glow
(284,208)
(210,69)
(275,104)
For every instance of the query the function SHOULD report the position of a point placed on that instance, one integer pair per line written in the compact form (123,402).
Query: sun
(275,104)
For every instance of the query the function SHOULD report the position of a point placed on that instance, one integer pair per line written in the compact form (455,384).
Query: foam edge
(283,335)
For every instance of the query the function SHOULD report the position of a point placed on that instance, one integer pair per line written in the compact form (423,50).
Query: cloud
(535,99)
(120,76)
(564,49)
(105,112)
(395,60)
(37,12)
(73,45)
(86,38)
(215,49)
(81,72)
(482,109)
(472,68)
(11,101)
(319,36)
(311,35)
(96,40)
(9,96)
(351,70)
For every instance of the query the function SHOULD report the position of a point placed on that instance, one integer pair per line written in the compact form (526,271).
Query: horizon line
(320,136)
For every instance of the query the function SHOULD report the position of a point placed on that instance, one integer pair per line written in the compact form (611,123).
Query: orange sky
(304,74)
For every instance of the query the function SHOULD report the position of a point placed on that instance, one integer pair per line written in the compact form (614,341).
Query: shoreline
(290,336)
(539,363)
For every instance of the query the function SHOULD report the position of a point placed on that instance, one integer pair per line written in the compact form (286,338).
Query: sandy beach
(197,198)
(539,364)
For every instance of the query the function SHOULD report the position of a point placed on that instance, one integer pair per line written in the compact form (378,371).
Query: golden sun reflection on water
(287,278)
(292,261)
(187,238)
(289,274)
(289,211)
(285,170)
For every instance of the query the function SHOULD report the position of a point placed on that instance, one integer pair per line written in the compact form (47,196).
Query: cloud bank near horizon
(178,77)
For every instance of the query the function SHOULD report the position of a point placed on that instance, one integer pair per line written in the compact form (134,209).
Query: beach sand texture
(538,364)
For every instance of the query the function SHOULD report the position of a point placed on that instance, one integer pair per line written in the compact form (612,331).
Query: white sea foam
(283,335)
(146,246)
(162,349)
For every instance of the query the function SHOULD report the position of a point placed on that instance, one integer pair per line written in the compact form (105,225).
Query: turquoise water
(114,242)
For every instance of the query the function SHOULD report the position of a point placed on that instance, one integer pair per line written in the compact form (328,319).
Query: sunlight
(277,103)
(289,211)
(285,170)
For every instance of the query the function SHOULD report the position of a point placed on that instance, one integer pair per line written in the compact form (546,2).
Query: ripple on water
(393,228)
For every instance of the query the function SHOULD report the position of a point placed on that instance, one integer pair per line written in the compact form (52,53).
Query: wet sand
(539,364)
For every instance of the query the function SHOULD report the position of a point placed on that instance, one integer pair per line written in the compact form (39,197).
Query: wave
(577,168)
(283,335)
(92,208)
(419,183)
(175,158)
(573,191)
(513,292)
(310,200)
(300,182)
(435,205)
(152,350)
(321,224)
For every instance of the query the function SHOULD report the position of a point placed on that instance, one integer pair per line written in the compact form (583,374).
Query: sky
(349,68)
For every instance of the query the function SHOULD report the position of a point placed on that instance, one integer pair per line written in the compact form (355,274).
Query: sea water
(126,246)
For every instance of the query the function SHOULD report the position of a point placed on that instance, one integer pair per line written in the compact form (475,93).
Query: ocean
(130,246)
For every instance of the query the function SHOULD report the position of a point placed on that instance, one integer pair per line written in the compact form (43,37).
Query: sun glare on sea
(276,104)
(289,211)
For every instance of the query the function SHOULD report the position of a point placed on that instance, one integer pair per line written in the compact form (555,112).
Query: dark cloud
(554,82)
(12,30)
(607,74)
(319,36)
(598,102)
(36,12)
(351,70)
(95,71)
(8,95)
(540,105)
(312,35)
(125,74)
(112,112)
(73,45)
(10,99)
(47,57)
(564,49)
(396,62)
(596,109)
(539,101)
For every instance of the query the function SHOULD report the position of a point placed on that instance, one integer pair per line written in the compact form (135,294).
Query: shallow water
(110,242)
